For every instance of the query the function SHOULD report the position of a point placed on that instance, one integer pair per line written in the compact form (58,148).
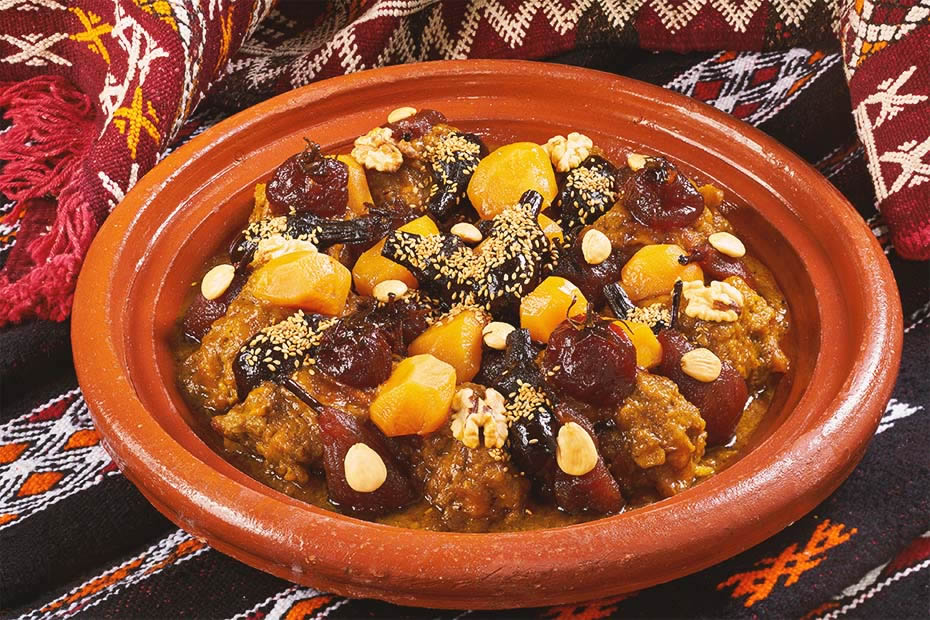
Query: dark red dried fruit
(202,311)
(355,353)
(717,266)
(596,491)
(309,182)
(401,321)
(416,126)
(721,402)
(341,431)
(659,196)
(591,279)
(590,362)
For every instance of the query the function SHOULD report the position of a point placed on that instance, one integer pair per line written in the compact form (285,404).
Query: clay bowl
(846,335)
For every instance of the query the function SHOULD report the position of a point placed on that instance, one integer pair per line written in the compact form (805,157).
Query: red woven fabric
(143,65)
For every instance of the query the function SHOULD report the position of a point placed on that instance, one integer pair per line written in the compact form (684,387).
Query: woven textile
(76,538)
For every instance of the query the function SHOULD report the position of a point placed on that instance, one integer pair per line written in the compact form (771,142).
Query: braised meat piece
(207,374)
(203,312)
(720,401)
(751,344)
(470,488)
(658,439)
(275,425)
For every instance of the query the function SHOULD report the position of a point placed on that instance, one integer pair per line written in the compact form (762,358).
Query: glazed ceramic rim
(263,528)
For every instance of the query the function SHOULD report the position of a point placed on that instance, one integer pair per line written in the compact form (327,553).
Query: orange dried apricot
(359,193)
(372,268)
(505,174)
(548,304)
(309,280)
(456,341)
(648,349)
(416,398)
(652,271)
(550,228)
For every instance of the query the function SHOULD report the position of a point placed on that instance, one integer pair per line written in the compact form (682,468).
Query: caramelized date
(659,196)
(341,431)
(596,491)
(355,353)
(717,266)
(590,362)
(416,126)
(591,279)
(202,311)
(720,401)
(309,182)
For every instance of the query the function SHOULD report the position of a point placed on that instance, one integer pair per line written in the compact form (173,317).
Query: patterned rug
(77,539)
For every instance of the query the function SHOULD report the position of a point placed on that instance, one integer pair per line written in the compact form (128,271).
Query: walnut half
(568,153)
(376,150)
(718,302)
(472,414)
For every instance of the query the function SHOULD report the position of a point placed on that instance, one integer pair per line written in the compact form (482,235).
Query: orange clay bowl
(846,338)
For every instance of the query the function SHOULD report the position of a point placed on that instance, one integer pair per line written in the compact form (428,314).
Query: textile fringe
(52,130)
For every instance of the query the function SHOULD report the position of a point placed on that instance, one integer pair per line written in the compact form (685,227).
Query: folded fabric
(94,91)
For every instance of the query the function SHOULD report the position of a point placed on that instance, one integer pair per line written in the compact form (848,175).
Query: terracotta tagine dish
(485,334)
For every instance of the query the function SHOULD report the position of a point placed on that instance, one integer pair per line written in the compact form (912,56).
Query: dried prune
(532,432)
(361,232)
(202,311)
(717,266)
(416,126)
(591,279)
(587,192)
(278,350)
(341,431)
(618,300)
(355,353)
(591,362)
(494,276)
(659,196)
(453,162)
(309,182)
(720,401)
(401,320)
(596,491)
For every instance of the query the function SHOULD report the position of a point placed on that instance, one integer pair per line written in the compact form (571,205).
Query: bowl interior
(845,340)
(226,202)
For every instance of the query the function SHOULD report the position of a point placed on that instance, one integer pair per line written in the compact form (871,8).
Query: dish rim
(217,516)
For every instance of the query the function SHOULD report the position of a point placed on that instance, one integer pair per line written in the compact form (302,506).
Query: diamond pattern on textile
(871,25)
(753,86)
(47,455)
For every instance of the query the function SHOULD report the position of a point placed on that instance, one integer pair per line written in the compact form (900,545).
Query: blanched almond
(217,280)
(389,289)
(400,114)
(701,364)
(575,452)
(728,244)
(364,468)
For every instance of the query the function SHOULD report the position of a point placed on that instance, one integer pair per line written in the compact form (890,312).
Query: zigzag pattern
(303,58)
(47,455)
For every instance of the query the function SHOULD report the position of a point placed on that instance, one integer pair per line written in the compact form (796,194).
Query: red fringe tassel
(52,129)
